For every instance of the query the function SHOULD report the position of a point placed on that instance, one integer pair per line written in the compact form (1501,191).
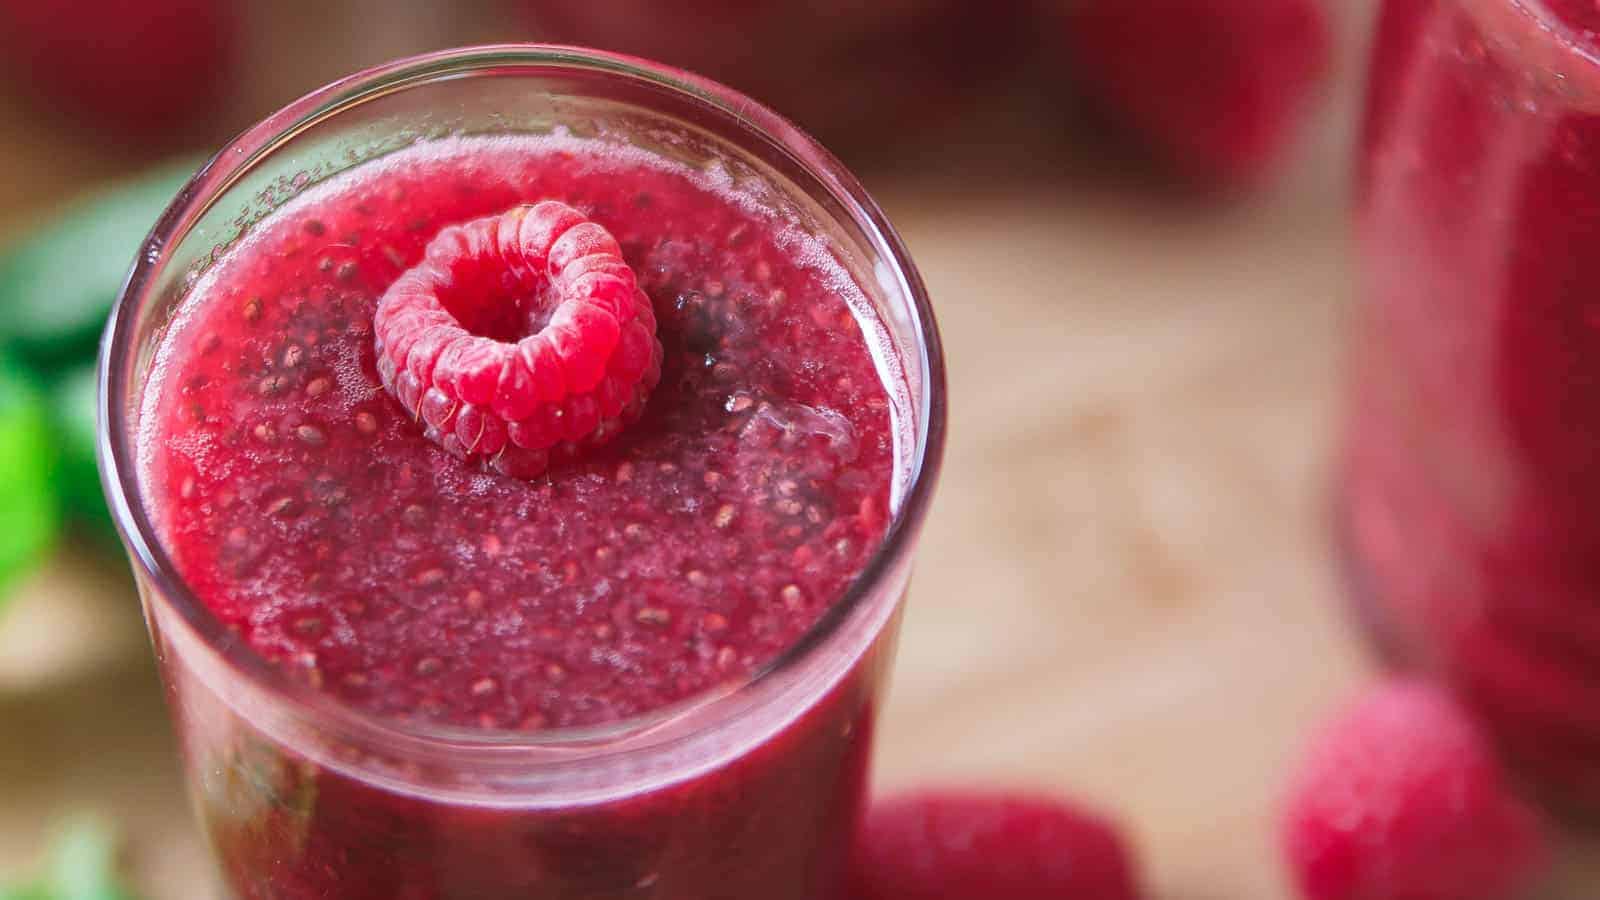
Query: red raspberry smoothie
(1473,463)
(443,565)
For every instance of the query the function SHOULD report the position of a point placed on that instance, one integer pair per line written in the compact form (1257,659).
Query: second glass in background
(1471,491)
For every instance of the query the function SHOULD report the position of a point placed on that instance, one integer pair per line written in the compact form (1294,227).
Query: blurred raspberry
(1214,87)
(136,69)
(1400,798)
(852,73)
(972,846)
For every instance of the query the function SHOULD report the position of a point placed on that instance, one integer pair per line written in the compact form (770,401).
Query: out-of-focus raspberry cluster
(1211,90)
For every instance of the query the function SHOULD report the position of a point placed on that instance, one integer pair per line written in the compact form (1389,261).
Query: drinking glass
(749,791)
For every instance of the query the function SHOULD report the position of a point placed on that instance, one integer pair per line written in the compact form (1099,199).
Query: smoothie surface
(306,509)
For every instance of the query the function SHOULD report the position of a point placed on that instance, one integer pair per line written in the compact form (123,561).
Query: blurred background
(1136,240)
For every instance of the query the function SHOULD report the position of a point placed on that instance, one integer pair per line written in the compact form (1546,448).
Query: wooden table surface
(1126,590)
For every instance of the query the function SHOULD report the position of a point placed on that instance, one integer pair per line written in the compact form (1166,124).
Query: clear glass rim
(1553,50)
(1539,10)
(118,456)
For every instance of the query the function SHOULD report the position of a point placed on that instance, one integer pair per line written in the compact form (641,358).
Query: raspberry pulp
(517,335)
(974,846)
(1400,798)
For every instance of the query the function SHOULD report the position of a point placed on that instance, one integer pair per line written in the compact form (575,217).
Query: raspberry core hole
(505,313)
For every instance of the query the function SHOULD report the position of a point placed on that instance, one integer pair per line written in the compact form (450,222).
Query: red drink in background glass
(1472,469)
(651,671)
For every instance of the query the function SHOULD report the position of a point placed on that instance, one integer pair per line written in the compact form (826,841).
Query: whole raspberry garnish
(519,336)
(1400,798)
(986,846)
(1214,87)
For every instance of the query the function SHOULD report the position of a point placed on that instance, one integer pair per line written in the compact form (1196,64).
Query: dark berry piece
(516,333)
(1400,798)
(983,846)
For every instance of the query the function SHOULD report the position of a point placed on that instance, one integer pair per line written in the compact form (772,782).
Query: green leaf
(28,504)
(57,285)
(73,402)
(82,865)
